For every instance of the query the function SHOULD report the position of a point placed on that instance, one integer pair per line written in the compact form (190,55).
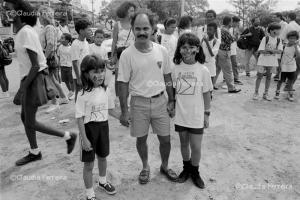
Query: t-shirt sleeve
(167,61)
(125,69)
(80,106)
(59,51)
(262,44)
(280,46)
(207,84)
(111,98)
(75,51)
(28,41)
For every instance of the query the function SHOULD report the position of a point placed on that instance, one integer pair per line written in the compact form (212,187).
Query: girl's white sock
(67,135)
(35,151)
(90,192)
(102,179)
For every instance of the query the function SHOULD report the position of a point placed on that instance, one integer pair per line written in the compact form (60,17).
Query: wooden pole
(182,7)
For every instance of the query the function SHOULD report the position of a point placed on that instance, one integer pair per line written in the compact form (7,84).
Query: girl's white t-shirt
(98,50)
(27,38)
(94,105)
(288,61)
(191,82)
(123,34)
(64,53)
(269,60)
(210,61)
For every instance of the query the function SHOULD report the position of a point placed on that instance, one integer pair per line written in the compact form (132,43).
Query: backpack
(5,58)
(242,43)
(267,40)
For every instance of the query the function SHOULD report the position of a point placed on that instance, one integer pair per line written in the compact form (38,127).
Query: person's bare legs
(142,148)
(164,149)
(185,145)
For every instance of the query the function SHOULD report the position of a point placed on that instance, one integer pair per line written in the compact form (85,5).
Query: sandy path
(251,151)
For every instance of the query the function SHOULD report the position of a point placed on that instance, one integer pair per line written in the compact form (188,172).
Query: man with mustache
(254,34)
(145,73)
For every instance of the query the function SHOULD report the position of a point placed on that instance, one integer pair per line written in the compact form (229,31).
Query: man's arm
(123,96)
(171,95)
(75,67)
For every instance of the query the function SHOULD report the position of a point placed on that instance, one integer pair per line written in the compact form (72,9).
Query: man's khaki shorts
(146,111)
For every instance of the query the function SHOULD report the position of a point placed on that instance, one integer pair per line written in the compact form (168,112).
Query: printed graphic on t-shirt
(159,63)
(97,113)
(186,83)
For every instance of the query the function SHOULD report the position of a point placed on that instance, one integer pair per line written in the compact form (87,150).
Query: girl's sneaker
(277,95)
(108,188)
(267,97)
(93,198)
(255,96)
(290,97)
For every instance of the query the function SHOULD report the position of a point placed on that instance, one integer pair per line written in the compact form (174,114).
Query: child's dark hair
(68,37)
(212,12)
(122,11)
(273,26)
(169,21)
(89,63)
(236,19)
(82,24)
(185,22)
(292,16)
(99,31)
(226,20)
(192,40)
(292,34)
(213,24)
(27,13)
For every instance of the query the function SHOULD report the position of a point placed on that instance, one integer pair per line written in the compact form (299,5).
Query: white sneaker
(52,108)
(267,97)
(63,101)
(4,95)
(255,96)
(224,87)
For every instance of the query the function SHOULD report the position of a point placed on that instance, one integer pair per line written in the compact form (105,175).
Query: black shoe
(185,174)
(197,180)
(235,91)
(248,74)
(71,142)
(276,78)
(237,82)
(29,158)
(216,88)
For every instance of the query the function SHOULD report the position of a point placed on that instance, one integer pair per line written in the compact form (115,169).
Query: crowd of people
(158,76)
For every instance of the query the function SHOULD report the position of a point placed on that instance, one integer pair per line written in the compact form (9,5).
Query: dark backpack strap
(214,42)
(278,41)
(267,40)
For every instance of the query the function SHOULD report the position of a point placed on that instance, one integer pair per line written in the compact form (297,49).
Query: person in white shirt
(79,49)
(270,49)
(292,26)
(92,107)
(288,64)
(210,16)
(169,40)
(65,62)
(193,88)
(96,48)
(34,71)
(279,19)
(145,73)
(234,31)
(211,47)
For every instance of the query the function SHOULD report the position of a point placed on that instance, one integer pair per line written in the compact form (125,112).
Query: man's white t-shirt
(269,60)
(144,71)
(98,50)
(170,43)
(93,106)
(79,49)
(64,53)
(191,82)
(288,61)
(292,26)
(233,48)
(27,38)
(210,61)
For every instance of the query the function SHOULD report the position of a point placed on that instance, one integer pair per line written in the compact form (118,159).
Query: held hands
(86,145)
(124,119)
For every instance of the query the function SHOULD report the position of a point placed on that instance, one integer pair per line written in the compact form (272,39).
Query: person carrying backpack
(5,59)
(269,50)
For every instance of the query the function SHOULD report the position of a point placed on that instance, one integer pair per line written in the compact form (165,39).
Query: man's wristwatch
(207,113)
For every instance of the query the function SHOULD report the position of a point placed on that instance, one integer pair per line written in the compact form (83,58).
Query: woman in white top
(34,73)
(122,34)
(185,25)
(48,40)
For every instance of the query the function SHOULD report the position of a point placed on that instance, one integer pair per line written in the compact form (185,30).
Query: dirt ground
(251,151)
